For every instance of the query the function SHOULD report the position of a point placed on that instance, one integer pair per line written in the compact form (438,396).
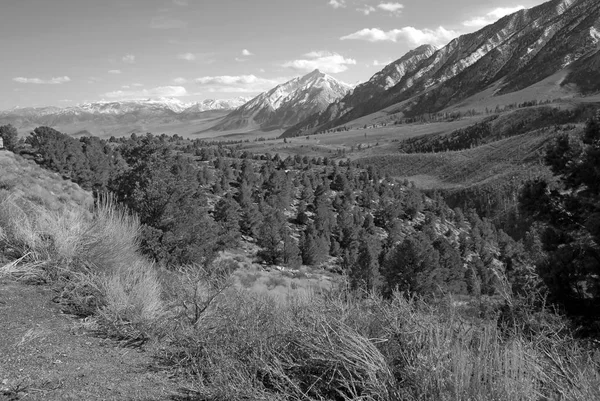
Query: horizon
(78,52)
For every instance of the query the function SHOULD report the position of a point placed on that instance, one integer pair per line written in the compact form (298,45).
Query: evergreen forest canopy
(196,198)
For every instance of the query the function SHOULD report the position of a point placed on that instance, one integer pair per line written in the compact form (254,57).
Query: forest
(393,245)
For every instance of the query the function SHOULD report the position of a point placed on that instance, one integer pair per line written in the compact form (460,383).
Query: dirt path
(43,356)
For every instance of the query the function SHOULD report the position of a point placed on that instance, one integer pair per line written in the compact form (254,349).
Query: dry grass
(247,346)
(92,258)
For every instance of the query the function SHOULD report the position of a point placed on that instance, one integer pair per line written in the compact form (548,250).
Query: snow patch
(595,34)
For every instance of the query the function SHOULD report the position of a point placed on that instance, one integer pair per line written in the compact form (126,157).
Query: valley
(222,227)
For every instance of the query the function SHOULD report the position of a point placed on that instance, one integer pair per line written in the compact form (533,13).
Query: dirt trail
(44,356)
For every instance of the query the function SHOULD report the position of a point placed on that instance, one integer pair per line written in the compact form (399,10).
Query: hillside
(24,178)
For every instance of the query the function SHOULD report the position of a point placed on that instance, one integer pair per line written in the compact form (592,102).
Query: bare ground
(48,355)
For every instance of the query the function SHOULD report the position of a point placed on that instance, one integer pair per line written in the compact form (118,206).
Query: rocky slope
(286,104)
(517,51)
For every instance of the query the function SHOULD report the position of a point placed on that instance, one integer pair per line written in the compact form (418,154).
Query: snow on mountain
(515,52)
(145,106)
(287,104)
(120,117)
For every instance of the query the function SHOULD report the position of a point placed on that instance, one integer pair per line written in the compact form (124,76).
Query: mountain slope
(286,104)
(516,51)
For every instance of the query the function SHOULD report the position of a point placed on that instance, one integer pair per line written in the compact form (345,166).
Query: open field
(467,167)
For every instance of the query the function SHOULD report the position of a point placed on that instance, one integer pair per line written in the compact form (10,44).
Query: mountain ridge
(521,48)
(287,103)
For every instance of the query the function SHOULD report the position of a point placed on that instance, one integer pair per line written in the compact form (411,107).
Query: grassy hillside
(23,178)
(468,167)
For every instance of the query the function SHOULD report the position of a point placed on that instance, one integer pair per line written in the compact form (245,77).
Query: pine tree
(10,136)
(571,217)
(314,247)
(227,214)
(410,266)
(364,272)
(270,236)
(291,252)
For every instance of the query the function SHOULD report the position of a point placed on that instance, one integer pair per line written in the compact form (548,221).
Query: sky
(68,52)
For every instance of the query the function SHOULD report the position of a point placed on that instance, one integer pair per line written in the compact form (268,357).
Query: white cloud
(322,60)
(129,58)
(366,10)
(187,56)
(337,3)
(240,59)
(203,58)
(51,81)
(161,91)
(390,7)
(409,34)
(114,71)
(163,22)
(137,85)
(179,80)
(381,63)
(247,53)
(181,3)
(491,17)
(125,87)
(239,83)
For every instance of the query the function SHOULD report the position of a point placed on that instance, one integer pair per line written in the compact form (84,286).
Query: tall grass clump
(92,257)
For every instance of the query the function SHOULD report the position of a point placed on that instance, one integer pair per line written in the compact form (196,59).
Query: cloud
(137,85)
(187,56)
(491,17)
(181,3)
(51,81)
(337,3)
(240,59)
(322,60)
(114,71)
(366,10)
(203,58)
(163,22)
(247,53)
(179,80)
(239,83)
(381,63)
(391,7)
(161,91)
(409,34)
(128,58)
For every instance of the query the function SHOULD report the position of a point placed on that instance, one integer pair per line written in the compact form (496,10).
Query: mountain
(125,113)
(286,104)
(512,54)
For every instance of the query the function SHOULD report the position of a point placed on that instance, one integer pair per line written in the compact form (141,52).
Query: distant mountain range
(116,112)
(557,41)
(514,53)
(286,104)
